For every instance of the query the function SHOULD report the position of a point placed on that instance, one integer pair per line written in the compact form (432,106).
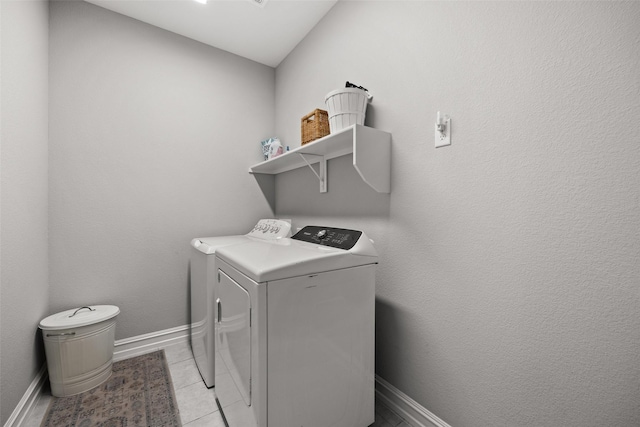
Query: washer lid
(265,229)
(209,245)
(77,317)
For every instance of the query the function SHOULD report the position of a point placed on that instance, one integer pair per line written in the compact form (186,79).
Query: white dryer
(295,328)
(203,289)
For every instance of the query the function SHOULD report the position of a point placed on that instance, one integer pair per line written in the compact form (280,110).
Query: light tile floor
(196,402)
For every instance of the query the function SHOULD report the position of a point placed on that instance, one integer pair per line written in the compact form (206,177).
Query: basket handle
(308,116)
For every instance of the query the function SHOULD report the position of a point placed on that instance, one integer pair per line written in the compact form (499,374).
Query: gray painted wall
(151,135)
(508,281)
(24,292)
(508,286)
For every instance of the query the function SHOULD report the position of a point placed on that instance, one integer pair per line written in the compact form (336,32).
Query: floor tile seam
(179,360)
(231,403)
(199,418)
(185,385)
(175,362)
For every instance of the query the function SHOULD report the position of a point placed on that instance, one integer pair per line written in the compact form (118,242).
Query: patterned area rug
(138,393)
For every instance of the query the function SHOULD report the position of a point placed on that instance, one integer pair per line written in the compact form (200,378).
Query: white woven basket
(346,107)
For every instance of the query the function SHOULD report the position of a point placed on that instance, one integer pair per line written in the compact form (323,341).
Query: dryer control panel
(328,236)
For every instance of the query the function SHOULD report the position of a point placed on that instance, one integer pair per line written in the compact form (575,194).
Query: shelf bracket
(322,163)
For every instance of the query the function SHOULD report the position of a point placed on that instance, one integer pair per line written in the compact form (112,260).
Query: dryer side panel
(234,333)
(321,349)
(202,324)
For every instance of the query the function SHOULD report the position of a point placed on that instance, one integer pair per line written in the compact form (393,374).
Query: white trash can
(346,107)
(79,347)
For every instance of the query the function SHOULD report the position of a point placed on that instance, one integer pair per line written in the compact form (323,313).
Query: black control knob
(321,234)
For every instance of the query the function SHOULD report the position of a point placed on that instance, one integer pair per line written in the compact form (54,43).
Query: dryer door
(234,338)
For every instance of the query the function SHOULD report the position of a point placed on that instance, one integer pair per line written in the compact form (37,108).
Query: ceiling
(264,33)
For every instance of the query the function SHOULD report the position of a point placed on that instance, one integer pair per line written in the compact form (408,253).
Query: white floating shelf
(371,149)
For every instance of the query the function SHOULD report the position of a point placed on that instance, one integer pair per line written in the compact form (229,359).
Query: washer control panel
(328,236)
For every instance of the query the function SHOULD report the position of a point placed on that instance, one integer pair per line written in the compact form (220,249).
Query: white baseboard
(407,408)
(141,344)
(29,399)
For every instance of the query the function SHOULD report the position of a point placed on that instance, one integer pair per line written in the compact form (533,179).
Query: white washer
(296,330)
(203,292)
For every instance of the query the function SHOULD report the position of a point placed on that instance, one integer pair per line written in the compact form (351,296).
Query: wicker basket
(314,125)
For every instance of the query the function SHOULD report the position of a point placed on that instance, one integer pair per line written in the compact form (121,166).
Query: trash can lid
(77,317)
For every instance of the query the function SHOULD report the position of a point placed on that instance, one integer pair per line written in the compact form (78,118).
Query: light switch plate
(443,138)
